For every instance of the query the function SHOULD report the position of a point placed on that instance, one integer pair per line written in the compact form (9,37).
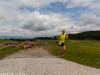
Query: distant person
(46,43)
(61,37)
(43,43)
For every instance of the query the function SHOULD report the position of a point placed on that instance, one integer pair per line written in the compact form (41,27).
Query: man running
(43,43)
(61,37)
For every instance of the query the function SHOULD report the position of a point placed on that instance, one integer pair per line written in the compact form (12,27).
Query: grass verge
(7,51)
(85,52)
(4,40)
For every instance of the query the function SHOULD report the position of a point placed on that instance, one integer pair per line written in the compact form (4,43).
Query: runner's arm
(67,36)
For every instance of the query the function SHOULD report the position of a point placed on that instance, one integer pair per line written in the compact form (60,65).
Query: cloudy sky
(34,18)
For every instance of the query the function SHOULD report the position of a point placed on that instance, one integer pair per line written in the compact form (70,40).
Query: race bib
(59,43)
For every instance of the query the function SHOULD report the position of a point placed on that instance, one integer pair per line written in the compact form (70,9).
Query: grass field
(3,40)
(9,50)
(84,52)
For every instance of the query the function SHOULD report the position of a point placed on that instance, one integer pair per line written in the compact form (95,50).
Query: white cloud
(28,3)
(86,22)
(89,19)
(46,23)
(17,19)
(90,4)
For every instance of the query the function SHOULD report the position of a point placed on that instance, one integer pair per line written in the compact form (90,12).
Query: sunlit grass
(9,50)
(3,40)
(84,52)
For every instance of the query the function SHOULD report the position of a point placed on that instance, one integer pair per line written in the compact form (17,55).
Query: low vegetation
(9,50)
(84,52)
(5,40)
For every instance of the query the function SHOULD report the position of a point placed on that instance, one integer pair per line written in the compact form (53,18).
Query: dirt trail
(38,61)
(37,52)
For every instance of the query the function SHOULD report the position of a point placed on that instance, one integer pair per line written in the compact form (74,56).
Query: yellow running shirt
(62,37)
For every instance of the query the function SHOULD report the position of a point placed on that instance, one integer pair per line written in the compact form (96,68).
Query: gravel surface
(37,61)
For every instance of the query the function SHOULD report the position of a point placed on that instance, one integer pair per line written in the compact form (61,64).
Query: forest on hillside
(89,35)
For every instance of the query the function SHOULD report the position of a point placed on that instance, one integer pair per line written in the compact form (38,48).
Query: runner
(61,37)
(43,43)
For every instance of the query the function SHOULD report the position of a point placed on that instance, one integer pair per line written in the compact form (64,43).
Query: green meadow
(4,40)
(9,50)
(85,52)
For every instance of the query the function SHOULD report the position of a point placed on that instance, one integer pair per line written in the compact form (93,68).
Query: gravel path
(37,61)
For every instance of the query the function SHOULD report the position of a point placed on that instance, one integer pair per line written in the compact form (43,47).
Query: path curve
(37,61)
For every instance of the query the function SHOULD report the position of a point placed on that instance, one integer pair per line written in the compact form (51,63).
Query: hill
(86,35)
